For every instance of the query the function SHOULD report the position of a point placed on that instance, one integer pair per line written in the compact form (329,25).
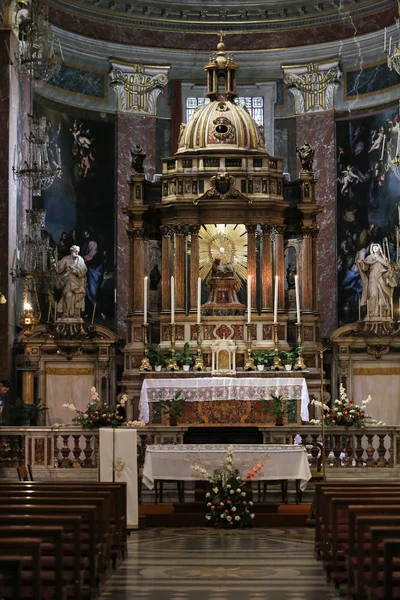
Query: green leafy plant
(290,357)
(158,357)
(22,413)
(262,358)
(277,406)
(174,406)
(184,358)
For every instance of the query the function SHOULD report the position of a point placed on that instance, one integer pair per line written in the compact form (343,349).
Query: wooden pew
(11,574)
(25,549)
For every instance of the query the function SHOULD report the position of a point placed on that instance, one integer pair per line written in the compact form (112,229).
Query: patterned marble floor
(207,564)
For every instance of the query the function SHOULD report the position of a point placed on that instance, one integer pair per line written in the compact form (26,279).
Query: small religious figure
(378,282)
(306,155)
(72,277)
(138,155)
(221,271)
(290,273)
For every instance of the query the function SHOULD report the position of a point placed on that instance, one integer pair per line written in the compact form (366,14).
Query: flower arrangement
(227,501)
(96,414)
(345,413)
(134,424)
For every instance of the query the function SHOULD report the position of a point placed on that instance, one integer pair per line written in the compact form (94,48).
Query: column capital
(310,232)
(312,85)
(135,233)
(167,230)
(251,228)
(278,230)
(180,229)
(194,229)
(266,229)
(137,86)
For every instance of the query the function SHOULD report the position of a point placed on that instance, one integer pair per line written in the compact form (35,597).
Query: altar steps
(192,514)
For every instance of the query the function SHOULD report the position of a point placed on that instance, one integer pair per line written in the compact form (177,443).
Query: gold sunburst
(227,242)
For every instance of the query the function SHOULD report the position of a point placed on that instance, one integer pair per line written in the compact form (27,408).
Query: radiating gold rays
(227,242)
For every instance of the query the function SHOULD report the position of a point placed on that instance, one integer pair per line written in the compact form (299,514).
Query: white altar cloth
(175,462)
(118,462)
(213,389)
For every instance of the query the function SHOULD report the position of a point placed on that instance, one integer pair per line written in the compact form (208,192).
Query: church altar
(175,462)
(204,391)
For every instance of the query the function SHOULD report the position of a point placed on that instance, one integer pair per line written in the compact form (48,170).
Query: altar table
(214,389)
(175,462)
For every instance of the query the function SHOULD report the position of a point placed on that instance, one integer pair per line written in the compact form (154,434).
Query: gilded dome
(221,125)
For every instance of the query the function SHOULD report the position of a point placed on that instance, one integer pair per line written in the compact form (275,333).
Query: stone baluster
(166,265)
(370,451)
(279,261)
(88,452)
(359,450)
(266,269)
(65,462)
(194,265)
(180,268)
(348,450)
(382,462)
(251,263)
(77,451)
(337,449)
(391,450)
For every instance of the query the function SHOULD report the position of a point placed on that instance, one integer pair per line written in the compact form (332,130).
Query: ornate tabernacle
(229,260)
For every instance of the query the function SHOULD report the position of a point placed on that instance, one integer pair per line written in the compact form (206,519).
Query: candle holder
(199,363)
(249,364)
(299,365)
(277,364)
(145,365)
(172,365)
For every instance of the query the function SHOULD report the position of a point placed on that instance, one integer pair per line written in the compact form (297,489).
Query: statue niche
(222,299)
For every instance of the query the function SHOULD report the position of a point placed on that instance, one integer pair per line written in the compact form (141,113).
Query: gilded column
(194,265)
(180,268)
(308,269)
(279,264)
(166,268)
(266,269)
(251,263)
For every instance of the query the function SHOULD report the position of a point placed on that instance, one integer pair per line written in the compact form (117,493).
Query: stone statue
(378,282)
(306,155)
(72,279)
(221,271)
(138,155)
(290,276)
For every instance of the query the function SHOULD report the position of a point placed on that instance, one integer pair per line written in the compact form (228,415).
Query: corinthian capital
(312,85)
(137,87)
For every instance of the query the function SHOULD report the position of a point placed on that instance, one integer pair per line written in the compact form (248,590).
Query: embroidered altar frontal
(224,400)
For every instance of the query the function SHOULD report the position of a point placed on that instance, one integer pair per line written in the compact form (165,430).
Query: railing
(376,448)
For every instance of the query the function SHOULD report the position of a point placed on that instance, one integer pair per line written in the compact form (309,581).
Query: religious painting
(80,207)
(368,201)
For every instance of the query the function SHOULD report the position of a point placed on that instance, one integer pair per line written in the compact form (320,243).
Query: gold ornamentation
(138,86)
(226,242)
(313,85)
(377,371)
(69,372)
(119,466)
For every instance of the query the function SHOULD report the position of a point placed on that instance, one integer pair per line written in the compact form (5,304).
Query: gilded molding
(137,87)
(313,85)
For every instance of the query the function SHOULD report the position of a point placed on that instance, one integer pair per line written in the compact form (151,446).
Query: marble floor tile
(208,564)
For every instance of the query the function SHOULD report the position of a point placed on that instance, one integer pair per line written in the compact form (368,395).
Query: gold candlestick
(299,364)
(145,365)
(277,364)
(172,365)
(249,364)
(199,363)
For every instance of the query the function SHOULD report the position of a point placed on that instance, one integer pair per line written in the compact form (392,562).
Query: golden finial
(221,45)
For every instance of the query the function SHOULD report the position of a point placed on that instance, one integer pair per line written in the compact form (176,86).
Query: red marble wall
(130,131)
(318,129)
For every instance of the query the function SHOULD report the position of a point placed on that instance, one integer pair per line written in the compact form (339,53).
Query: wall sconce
(3,299)
(28,319)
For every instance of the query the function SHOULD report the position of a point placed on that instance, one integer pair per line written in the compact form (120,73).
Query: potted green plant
(22,413)
(289,358)
(158,358)
(184,359)
(262,358)
(174,407)
(276,406)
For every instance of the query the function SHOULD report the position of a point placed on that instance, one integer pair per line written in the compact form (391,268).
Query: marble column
(279,264)
(251,263)
(308,269)
(180,268)
(138,270)
(266,269)
(166,268)
(194,266)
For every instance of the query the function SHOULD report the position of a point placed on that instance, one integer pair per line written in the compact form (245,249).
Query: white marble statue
(378,282)
(72,279)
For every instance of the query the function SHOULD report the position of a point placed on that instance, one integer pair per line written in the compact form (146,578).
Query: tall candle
(384,41)
(145,301)
(276,299)
(296,283)
(390,45)
(172,299)
(198,300)
(249,299)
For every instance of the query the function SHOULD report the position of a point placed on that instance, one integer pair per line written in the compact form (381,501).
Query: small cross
(221,36)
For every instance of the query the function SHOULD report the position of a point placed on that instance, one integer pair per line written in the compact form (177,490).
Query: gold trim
(75,371)
(377,371)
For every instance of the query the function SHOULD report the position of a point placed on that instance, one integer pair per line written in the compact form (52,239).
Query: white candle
(172,299)
(390,45)
(198,300)
(391,308)
(296,283)
(276,299)
(384,41)
(249,299)
(145,301)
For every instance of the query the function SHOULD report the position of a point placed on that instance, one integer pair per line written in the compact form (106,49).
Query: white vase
(260,367)
(158,367)
(288,367)
(186,367)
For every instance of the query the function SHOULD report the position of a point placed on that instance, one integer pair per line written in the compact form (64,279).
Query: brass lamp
(3,299)
(28,319)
